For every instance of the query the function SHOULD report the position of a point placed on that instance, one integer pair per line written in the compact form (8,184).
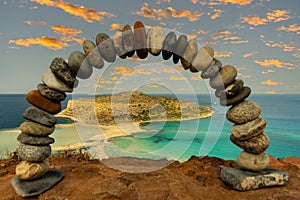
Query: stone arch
(34,148)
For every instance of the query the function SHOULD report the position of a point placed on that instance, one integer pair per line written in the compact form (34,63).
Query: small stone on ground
(37,186)
(243,180)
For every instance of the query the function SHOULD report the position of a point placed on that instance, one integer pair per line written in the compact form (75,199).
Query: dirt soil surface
(197,178)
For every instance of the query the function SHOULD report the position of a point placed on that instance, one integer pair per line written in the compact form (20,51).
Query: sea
(173,140)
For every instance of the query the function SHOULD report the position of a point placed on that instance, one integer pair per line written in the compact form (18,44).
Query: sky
(259,37)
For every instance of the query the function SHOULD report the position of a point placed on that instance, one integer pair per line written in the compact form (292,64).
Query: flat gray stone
(169,46)
(37,115)
(106,47)
(212,70)
(92,54)
(242,180)
(249,130)
(224,78)
(181,44)
(36,129)
(38,186)
(128,40)
(254,145)
(33,153)
(33,140)
(79,65)
(51,94)
(243,112)
(61,69)
(241,96)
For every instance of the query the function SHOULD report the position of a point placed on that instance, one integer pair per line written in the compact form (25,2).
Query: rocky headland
(132,107)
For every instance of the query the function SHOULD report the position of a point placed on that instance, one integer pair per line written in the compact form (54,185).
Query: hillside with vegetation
(133,106)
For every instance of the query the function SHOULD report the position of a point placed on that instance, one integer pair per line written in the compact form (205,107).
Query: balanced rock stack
(32,172)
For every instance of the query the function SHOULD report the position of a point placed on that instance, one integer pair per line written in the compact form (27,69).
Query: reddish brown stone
(36,99)
(140,40)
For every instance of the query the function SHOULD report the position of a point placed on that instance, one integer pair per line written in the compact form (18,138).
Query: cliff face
(136,106)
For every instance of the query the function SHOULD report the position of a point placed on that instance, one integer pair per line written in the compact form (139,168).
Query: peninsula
(132,107)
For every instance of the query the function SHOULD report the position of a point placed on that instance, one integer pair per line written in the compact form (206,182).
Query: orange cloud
(269,82)
(88,14)
(194,1)
(267,72)
(278,15)
(292,28)
(272,16)
(158,14)
(163,1)
(45,41)
(226,36)
(219,2)
(273,62)
(192,36)
(246,55)
(217,14)
(115,27)
(254,20)
(39,22)
(223,54)
(68,34)
(152,85)
(127,71)
(177,78)
(283,46)
(202,32)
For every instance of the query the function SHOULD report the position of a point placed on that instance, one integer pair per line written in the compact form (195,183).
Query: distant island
(132,106)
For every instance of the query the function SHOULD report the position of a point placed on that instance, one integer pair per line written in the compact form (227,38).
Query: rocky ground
(197,178)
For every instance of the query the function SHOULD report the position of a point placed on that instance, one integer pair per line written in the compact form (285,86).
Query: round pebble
(189,54)
(33,153)
(169,45)
(181,44)
(128,40)
(118,43)
(155,39)
(140,40)
(253,162)
(203,58)
(243,112)
(37,115)
(106,47)
(224,78)
(61,69)
(28,171)
(255,145)
(49,79)
(92,54)
(79,66)
(35,98)
(248,130)
(50,94)
(212,69)
(36,129)
(241,96)
(32,140)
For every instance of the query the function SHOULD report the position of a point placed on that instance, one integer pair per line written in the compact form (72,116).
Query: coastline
(114,131)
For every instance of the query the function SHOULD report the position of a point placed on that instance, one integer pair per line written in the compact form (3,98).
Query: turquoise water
(282,113)
(176,140)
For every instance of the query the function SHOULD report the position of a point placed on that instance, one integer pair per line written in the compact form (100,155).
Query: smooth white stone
(203,58)
(155,39)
